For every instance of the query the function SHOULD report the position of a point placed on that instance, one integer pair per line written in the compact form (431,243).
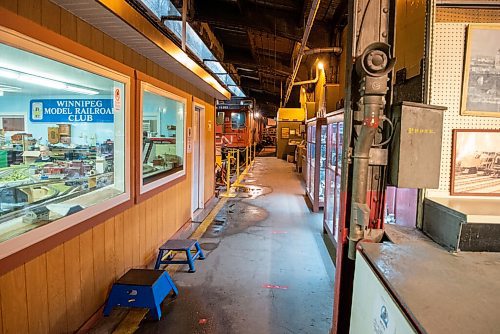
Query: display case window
(220,118)
(338,178)
(163,145)
(62,141)
(237,120)
(329,209)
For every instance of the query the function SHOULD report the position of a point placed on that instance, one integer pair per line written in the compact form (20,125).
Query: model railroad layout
(25,195)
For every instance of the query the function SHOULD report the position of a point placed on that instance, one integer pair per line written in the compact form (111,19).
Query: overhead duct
(312,81)
(334,49)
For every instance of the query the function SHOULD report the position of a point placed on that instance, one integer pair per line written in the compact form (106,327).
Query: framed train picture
(476,163)
(481,85)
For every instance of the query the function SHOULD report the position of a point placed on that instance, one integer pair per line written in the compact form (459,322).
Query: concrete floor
(267,269)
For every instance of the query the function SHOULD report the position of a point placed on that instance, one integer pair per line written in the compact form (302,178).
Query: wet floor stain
(252,192)
(234,218)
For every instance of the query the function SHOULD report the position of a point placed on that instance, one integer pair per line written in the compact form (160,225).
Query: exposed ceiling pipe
(313,81)
(334,49)
(305,37)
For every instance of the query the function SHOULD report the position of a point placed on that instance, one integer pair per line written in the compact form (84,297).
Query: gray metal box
(415,156)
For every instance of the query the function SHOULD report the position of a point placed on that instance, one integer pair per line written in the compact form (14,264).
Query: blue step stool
(141,288)
(180,245)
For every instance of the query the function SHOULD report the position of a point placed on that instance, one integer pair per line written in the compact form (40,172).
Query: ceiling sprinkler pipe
(334,49)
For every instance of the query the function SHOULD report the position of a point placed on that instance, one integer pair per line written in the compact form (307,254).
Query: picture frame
(480,95)
(475,167)
(292,132)
(285,133)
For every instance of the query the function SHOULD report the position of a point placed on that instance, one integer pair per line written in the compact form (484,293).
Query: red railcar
(237,124)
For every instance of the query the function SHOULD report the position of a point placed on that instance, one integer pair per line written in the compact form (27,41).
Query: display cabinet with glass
(316,162)
(163,146)
(333,174)
(329,209)
(62,140)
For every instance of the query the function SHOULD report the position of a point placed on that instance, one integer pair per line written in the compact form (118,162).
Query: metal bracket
(378,156)
(349,155)
(361,214)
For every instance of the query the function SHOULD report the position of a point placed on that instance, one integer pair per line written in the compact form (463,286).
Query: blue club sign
(72,111)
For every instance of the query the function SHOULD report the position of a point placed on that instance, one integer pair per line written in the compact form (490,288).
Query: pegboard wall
(469,15)
(445,89)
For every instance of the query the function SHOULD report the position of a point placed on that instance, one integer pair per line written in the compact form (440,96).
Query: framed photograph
(476,163)
(285,133)
(292,132)
(481,85)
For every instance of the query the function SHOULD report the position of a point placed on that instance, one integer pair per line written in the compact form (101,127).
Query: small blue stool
(180,245)
(141,288)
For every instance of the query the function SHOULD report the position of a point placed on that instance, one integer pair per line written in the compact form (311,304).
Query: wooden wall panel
(99,265)
(87,282)
(148,221)
(9,4)
(72,284)
(136,228)
(36,295)
(119,246)
(1,318)
(97,40)
(142,233)
(68,25)
(178,201)
(128,240)
(209,130)
(14,308)
(410,36)
(118,51)
(83,33)
(56,291)
(109,253)
(108,45)
(51,16)
(31,10)
(168,207)
(159,214)
(156,224)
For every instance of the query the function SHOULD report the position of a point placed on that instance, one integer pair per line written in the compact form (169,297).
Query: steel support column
(367,99)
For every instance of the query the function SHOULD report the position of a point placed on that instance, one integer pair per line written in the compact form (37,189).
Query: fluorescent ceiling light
(41,81)
(8,73)
(7,88)
(81,90)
